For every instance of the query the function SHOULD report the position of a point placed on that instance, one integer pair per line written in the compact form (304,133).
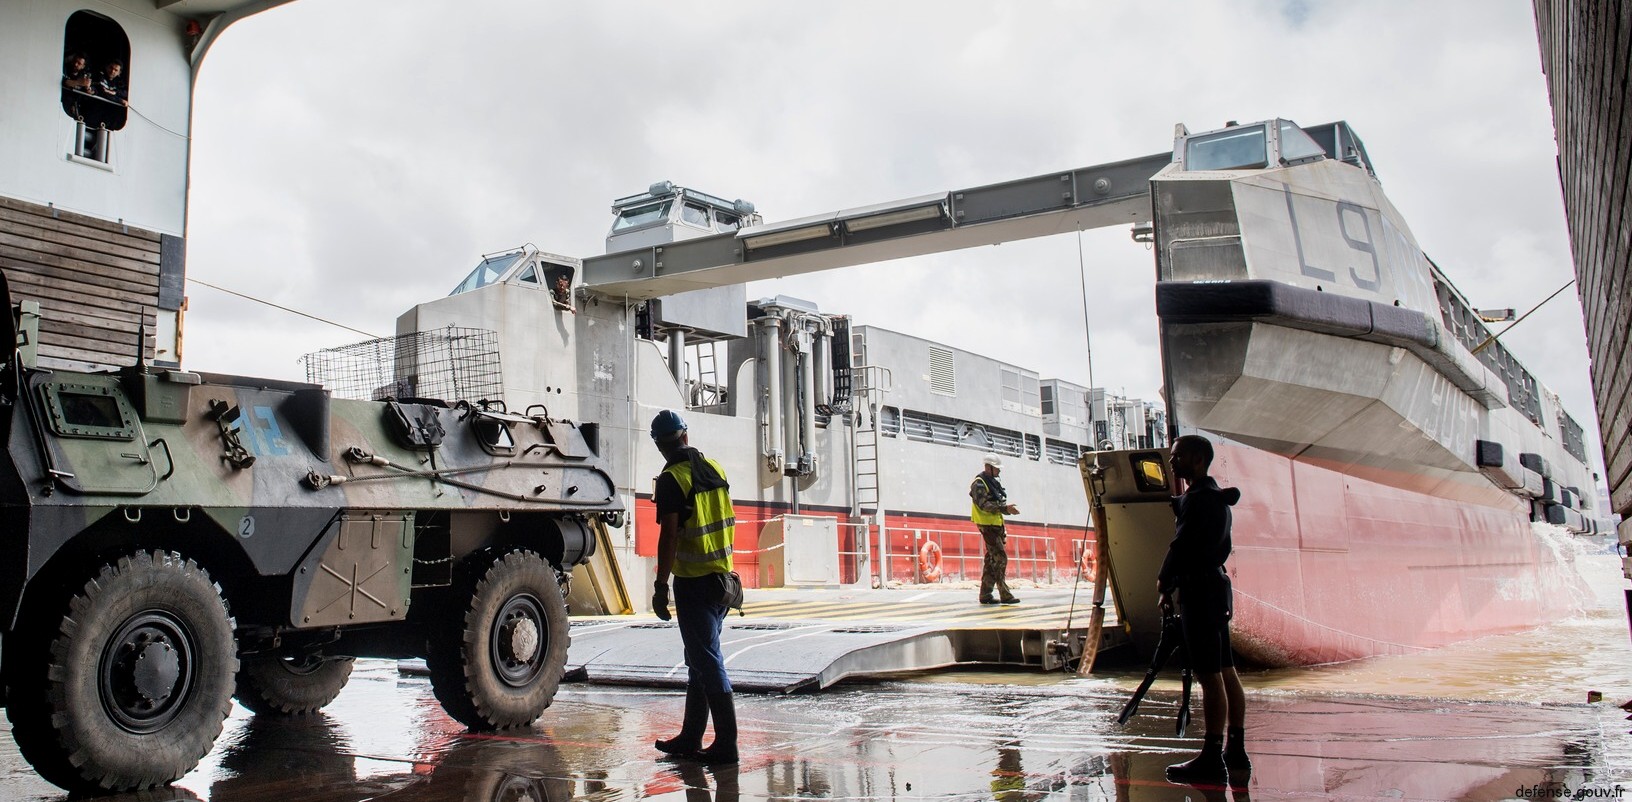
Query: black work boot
(1235,754)
(724,748)
(690,740)
(1207,767)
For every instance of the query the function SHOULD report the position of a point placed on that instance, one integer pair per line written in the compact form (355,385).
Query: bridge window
(726,222)
(1297,145)
(641,216)
(694,214)
(558,279)
(95,80)
(489,271)
(1241,148)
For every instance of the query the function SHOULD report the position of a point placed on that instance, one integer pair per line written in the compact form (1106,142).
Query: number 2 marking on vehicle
(246,526)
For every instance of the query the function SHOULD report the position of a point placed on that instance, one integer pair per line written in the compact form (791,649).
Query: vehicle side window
(88,410)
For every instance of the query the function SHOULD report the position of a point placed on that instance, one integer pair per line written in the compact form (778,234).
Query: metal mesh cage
(451,364)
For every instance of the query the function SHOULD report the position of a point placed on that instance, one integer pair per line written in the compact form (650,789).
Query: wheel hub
(146,671)
(156,672)
(518,640)
(523,639)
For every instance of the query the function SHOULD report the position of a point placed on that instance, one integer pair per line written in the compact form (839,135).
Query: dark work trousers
(701,613)
(996,563)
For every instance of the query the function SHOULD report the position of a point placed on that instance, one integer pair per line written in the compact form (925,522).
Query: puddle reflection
(386,739)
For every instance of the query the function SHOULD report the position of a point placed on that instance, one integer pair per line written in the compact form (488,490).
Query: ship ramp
(792,640)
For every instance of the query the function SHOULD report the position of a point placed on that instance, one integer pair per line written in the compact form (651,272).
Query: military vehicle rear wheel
(496,660)
(284,686)
(128,685)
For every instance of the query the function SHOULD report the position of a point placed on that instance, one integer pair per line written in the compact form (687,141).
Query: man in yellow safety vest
(697,523)
(990,502)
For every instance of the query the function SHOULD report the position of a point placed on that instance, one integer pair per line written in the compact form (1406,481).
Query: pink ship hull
(1330,567)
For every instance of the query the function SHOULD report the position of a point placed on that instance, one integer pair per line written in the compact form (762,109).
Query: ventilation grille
(943,371)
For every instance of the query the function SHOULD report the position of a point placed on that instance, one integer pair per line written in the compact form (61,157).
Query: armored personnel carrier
(175,539)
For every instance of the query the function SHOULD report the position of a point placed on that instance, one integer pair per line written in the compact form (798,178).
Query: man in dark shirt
(697,526)
(76,77)
(110,86)
(1194,567)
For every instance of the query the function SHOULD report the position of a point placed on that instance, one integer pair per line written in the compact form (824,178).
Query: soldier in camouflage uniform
(991,503)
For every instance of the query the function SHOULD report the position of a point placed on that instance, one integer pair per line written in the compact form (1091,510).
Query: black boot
(724,748)
(690,740)
(1235,754)
(1207,767)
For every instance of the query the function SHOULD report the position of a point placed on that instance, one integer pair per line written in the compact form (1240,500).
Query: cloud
(352,159)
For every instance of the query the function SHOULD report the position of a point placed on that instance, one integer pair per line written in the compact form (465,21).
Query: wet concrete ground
(1498,718)
(960,737)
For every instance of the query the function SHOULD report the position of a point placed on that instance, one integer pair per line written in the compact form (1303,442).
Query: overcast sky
(352,158)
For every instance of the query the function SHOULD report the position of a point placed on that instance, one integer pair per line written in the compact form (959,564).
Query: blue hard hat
(667,425)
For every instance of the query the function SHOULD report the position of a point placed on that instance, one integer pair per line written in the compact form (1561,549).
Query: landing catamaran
(1396,459)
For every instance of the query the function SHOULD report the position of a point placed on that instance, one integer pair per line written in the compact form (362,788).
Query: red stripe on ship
(1033,548)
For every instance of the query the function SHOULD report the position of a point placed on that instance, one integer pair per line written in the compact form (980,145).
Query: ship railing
(853,568)
(1031,557)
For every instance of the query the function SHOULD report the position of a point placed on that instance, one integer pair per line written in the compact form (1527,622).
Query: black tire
(496,659)
(281,686)
(127,686)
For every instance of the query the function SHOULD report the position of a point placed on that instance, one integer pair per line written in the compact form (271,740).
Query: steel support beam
(1091,197)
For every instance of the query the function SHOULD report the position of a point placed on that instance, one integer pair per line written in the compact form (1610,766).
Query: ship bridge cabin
(526,266)
(668,213)
(1272,143)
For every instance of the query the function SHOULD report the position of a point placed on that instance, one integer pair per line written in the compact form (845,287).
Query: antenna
(141,341)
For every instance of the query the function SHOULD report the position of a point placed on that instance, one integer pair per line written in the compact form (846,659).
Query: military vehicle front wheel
(496,660)
(130,681)
(282,686)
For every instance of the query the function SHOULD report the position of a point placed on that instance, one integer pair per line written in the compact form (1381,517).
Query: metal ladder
(706,390)
(864,477)
(871,382)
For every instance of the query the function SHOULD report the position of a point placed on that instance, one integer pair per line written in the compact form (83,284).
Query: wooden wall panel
(97,282)
(1586,52)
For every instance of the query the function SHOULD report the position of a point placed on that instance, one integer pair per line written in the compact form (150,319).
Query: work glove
(660,601)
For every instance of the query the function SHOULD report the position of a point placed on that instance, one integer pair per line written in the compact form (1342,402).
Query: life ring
(929,561)
(1087,565)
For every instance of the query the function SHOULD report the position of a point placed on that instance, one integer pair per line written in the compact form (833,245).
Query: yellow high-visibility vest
(706,536)
(982,517)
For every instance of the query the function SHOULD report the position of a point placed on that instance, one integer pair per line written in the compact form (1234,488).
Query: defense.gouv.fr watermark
(1616,791)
